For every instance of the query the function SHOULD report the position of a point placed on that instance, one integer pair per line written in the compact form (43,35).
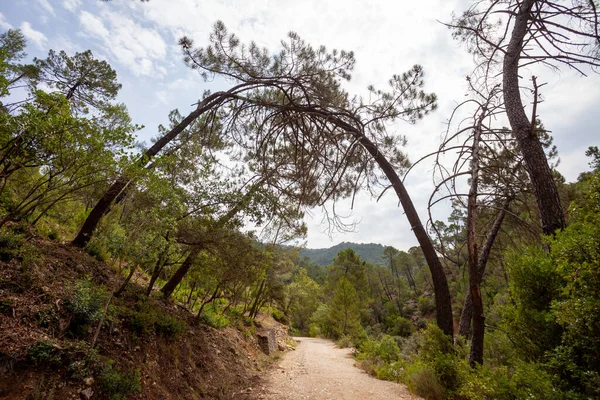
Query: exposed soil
(318,370)
(203,363)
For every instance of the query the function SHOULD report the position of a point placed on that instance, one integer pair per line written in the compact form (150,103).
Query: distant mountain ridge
(369,252)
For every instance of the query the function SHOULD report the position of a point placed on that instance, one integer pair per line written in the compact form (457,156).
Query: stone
(267,341)
(86,394)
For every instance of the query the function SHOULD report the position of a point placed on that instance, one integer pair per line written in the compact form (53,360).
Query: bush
(426,305)
(140,323)
(314,330)
(169,327)
(423,381)
(116,384)
(147,320)
(402,327)
(87,306)
(214,319)
(10,244)
(345,341)
(44,352)
(95,250)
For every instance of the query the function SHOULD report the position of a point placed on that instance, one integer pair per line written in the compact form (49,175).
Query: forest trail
(318,370)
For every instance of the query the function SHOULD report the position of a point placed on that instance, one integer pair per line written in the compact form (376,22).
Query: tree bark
(169,287)
(467,312)
(126,281)
(103,205)
(255,308)
(536,163)
(441,290)
(476,355)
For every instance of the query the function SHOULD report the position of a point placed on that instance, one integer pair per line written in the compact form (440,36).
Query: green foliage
(214,319)
(402,327)
(117,384)
(10,244)
(371,253)
(344,341)
(44,353)
(556,296)
(422,380)
(146,320)
(95,249)
(169,327)
(426,305)
(303,295)
(344,312)
(86,305)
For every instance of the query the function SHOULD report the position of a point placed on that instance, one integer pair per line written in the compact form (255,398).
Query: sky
(139,40)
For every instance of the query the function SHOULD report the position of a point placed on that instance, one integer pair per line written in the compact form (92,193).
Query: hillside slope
(370,252)
(146,349)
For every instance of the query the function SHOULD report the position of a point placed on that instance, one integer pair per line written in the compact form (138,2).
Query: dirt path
(318,370)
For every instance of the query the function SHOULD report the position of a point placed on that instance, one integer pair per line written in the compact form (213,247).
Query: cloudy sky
(140,42)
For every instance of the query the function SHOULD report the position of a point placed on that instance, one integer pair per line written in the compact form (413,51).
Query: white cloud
(387,38)
(71,5)
(36,37)
(46,6)
(136,47)
(93,25)
(4,24)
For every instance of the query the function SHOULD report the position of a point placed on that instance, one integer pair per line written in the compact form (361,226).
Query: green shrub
(95,250)
(426,305)
(82,362)
(390,372)
(145,320)
(214,319)
(169,327)
(402,327)
(45,353)
(141,323)
(422,380)
(86,305)
(10,244)
(314,330)
(46,317)
(345,341)
(116,384)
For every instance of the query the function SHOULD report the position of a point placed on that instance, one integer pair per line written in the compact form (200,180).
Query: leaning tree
(289,110)
(508,38)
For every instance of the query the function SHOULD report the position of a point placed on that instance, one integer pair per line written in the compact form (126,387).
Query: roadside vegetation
(111,246)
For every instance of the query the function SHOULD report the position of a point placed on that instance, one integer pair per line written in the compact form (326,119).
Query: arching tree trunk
(443,304)
(103,205)
(536,163)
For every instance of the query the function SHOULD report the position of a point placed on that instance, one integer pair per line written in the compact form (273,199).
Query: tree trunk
(254,309)
(536,163)
(170,286)
(467,312)
(476,356)
(124,285)
(210,300)
(103,205)
(443,304)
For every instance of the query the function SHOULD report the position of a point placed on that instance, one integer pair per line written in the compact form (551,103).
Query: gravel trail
(317,370)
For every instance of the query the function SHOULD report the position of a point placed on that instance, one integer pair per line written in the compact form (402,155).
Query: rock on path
(318,370)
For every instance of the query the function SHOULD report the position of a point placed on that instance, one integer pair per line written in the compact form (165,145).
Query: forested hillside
(370,252)
(153,269)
